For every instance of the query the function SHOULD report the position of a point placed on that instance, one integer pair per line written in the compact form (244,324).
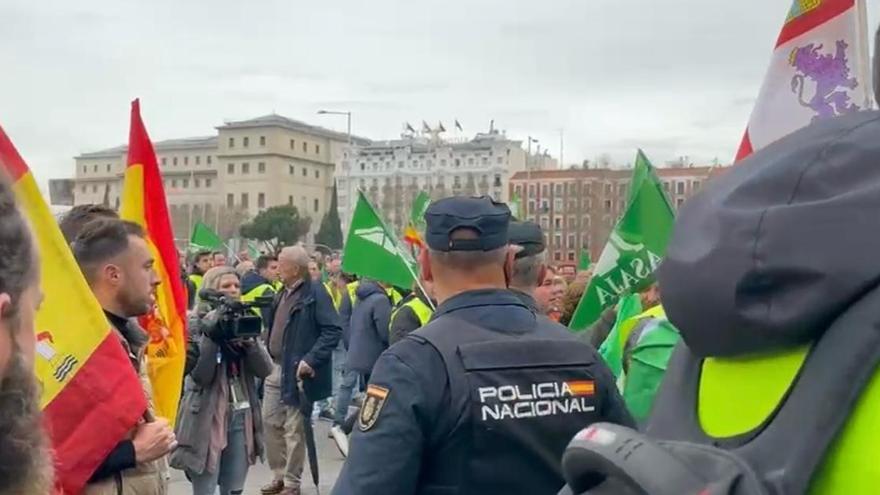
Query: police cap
(488,218)
(528,236)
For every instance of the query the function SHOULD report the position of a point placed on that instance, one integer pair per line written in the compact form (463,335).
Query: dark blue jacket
(369,327)
(251,281)
(311,334)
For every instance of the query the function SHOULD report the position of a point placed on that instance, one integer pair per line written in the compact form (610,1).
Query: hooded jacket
(369,327)
(775,263)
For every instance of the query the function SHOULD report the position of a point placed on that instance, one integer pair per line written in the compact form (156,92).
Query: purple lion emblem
(829,73)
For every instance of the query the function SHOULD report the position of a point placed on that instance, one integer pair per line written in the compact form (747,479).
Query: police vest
(422,311)
(253,294)
(804,418)
(516,401)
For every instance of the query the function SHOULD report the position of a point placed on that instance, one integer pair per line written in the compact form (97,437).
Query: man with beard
(117,263)
(25,465)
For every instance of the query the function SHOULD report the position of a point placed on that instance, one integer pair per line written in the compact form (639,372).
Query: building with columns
(226,178)
(392,173)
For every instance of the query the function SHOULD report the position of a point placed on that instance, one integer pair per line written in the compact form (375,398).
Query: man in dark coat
(303,329)
(369,327)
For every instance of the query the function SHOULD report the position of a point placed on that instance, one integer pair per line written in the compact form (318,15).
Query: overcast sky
(676,77)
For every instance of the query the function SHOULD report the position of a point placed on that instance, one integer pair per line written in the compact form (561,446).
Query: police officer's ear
(425,266)
(512,249)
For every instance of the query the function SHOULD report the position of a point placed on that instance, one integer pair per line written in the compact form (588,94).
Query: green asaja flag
(372,250)
(634,249)
(419,207)
(516,207)
(584,261)
(204,238)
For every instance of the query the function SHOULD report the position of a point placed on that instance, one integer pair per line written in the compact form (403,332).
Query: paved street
(329,460)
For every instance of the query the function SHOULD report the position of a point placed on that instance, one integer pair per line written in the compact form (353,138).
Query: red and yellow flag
(91,395)
(143,202)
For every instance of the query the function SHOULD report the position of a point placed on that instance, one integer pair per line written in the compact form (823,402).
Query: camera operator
(219,422)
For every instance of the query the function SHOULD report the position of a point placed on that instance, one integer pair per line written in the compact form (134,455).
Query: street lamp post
(529,172)
(348,175)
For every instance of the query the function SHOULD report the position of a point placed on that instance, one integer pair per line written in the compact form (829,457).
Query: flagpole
(862,34)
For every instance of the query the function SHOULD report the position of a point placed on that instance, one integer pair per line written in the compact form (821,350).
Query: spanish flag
(143,202)
(91,395)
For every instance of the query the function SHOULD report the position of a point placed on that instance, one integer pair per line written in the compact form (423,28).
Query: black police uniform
(483,399)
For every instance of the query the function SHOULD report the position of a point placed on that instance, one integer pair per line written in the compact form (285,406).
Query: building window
(679,202)
(197,183)
(571,256)
(245,168)
(456,181)
(557,256)
(230,200)
(83,189)
(164,161)
(607,205)
(317,174)
(232,142)
(290,169)
(484,161)
(85,169)
(531,190)
(557,223)
(316,205)
(95,168)
(186,160)
(198,160)
(208,159)
(607,189)
(442,163)
(207,182)
(185,183)
(245,141)
(621,189)
(317,149)
(557,241)
(94,187)
(262,140)
(292,144)
(559,189)
(108,167)
(173,183)
(174,161)
(305,172)
(457,163)
(244,200)
(305,147)
(261,200)
(497,181)
(570,241)
(261,167)
(666,186)
(400,164)
(230,168)
(545,190)
(290,198)
(557,205)
(679,187)
(696,185)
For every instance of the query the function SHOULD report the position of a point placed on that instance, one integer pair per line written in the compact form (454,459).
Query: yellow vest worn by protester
(335,293)
(196,279)
(351,287)
(422,311)
(851,465)
(253,294)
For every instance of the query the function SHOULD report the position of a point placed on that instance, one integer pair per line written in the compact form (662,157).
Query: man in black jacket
(303,329)
(116,261)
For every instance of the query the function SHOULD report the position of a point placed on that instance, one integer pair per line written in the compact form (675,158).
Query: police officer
(529,269)
(413,312)
(485,397)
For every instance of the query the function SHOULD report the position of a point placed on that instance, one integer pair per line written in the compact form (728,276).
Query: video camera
(234,319)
